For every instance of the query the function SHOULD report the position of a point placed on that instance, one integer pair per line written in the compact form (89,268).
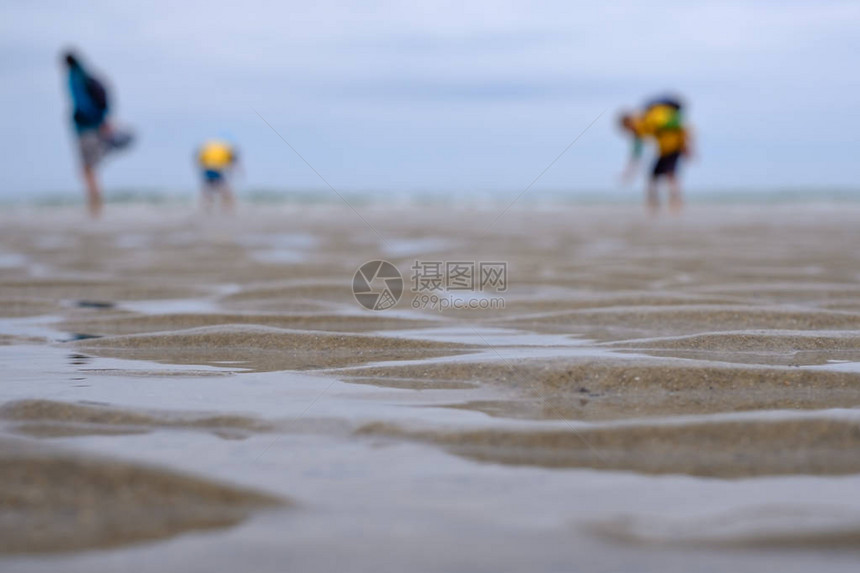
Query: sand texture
(711,361)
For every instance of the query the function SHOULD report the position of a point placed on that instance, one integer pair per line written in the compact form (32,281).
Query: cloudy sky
(457,95)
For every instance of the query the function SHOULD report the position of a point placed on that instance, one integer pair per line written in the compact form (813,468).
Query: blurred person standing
(96,137)
(662,121)
(217,159)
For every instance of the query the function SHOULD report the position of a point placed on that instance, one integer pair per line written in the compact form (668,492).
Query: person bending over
(662,122)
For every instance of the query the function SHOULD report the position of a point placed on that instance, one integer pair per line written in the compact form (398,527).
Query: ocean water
(495,198)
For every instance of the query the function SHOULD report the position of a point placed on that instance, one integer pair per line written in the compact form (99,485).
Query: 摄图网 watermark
(435,285)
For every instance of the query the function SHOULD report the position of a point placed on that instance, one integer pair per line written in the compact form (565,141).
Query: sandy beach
(207,393)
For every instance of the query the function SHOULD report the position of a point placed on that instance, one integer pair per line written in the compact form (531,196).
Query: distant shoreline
(803,195)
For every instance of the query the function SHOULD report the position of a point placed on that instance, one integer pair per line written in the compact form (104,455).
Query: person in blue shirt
(95,135)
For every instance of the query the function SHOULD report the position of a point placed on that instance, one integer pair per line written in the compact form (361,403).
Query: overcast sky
(436,95)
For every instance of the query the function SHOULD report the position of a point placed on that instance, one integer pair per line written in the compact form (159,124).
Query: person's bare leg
(228,203)
(676,200)
(206,200)
(94,194)
(653,197)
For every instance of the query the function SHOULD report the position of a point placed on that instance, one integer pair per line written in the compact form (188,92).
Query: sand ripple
(730,449)
(47,418)
(170,322)
(620,322)
(264,349)
(57,501)
(593,389)
(772,527)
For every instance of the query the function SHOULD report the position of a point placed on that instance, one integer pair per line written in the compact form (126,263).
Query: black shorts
(666,165)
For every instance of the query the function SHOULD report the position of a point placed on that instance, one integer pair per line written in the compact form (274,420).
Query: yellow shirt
(215,155)
(661,122)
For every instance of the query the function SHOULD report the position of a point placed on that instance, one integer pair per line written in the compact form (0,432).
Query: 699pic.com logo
(377,285)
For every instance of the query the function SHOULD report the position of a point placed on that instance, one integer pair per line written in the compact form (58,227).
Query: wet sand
(56,502)
(260,348)
(711,361)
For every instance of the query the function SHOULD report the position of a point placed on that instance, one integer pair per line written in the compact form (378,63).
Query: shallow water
(645,401)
